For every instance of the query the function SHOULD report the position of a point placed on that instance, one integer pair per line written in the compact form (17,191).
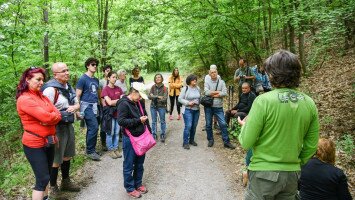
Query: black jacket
(129,116)
(245,102)
(323,181)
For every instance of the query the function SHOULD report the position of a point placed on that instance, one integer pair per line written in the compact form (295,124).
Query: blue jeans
(161,112)
(112,140)
(92,129)
(218,112)
(132,166)
(190,119)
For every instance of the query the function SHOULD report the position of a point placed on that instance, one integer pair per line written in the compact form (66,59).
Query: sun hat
(140,87)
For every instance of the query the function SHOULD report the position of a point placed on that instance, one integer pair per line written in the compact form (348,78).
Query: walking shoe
(171,117)
(118,153)
(68,185)
(179,117)
(193,143)
(94,156)
(135,194)
(186,146)
(162,138)
(99,153)
(229,145)
(210,143)
(113,155)
(142,189)
(54,193)
(155,137)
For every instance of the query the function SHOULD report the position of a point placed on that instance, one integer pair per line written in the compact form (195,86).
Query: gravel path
(171,172)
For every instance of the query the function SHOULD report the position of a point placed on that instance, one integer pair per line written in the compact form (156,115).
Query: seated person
(320,179)
(243,107)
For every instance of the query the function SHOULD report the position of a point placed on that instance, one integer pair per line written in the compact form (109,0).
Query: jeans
(132,166)
(161,112)
(112,140)
(190,119)
(218,112)
(92,129)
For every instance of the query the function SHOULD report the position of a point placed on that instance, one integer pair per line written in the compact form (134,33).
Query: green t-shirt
(282,129)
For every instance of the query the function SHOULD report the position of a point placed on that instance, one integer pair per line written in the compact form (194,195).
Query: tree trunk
(284,26)
(104,36)
(301,52)
(291,29)
(45,41)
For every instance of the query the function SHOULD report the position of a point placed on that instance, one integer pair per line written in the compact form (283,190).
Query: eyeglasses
(63,71)
(93,64)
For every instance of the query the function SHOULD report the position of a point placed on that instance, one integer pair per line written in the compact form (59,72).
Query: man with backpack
(244,74)
(63,96)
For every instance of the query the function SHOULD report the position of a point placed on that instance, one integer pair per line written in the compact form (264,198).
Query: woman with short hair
(38,117)
(320,178)
(190,100)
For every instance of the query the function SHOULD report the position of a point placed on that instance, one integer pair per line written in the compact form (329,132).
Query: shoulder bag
(144,142)
(207,101)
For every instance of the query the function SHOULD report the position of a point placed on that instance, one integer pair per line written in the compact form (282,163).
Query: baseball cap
(140,87)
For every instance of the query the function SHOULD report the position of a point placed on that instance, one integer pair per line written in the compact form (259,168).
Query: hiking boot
(210,143)
(193,143)
(113,155)
(171,117)
(142,189)
(179,117)
(162,138)
(186,146)
(229,145)
(68,185)
(134,194)
(118,153)
(54,193)
(94,156)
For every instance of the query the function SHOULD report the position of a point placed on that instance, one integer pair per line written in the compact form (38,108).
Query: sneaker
(245,179)
(210,143)
(155,137)
(113,155)
(186,146)
(179,117)
(100,153)
(94,156)
(162,138)
(229,145)
(142,189)
(55,193)
(118,153)
(68,185)
(171,117)
(135,194)
(193,143)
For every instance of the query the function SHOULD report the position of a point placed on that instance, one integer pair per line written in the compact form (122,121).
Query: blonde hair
(326,150)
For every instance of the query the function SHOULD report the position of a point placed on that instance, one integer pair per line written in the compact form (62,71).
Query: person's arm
(164,98)
(171,83)
(223,92)
(249,104)
(49,92)
(151,95)
(253,126)
(182,96)
(236,76)
(207,89)
(123,117)
(252,75)
(310,140)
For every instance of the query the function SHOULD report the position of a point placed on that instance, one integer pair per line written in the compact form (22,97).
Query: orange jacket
(38,115)
(175,85)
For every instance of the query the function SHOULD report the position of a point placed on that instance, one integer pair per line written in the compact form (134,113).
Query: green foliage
(346,144)
(235,129)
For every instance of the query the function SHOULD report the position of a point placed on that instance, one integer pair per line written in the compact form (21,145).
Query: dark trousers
(229,114)
(172,104)
(92,129)
(41,161)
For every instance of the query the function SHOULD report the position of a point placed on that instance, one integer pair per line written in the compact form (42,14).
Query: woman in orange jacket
(175,84)
(39,117)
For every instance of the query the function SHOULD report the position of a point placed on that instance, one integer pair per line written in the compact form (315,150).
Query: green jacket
(282,129)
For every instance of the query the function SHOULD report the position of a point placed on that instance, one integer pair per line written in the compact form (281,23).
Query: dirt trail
(172,172)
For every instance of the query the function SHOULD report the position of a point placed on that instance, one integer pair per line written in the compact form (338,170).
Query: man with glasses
(63,96)
(87,92)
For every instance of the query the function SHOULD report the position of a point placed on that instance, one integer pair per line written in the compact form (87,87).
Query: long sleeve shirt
(210,85)
(189,94)
(245,102)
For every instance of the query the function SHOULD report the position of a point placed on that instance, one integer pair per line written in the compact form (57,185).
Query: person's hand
(160,97)
(71,109)
(233,112)
(191,103)
(143,119)
(242,122)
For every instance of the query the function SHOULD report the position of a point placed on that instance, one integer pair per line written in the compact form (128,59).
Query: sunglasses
(93,64)
(33,67)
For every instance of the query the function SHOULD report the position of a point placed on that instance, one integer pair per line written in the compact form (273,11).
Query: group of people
(279,128)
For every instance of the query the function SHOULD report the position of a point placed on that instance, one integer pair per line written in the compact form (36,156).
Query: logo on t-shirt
(292,96)
(93,87)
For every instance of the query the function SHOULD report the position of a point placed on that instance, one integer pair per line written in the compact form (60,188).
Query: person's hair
(28,74)
(91,60)
(244,60)
(173,74)
(246,83)
(190,78)
(284,69)
(110,74)
(155,77)
(107,67)
(131,90)
(213,66)
(136,68)
(326,151)
(121,71)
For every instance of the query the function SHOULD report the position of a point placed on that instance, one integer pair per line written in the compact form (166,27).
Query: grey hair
(213,66)
(121,71)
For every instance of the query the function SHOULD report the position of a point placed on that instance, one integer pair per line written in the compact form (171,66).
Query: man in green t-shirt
(282,129)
